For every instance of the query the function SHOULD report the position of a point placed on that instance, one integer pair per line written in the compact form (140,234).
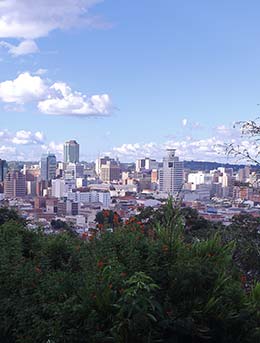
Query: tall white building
(171,176)
(100,162)
(57,188)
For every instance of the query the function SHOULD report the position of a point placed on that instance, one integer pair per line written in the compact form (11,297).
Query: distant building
(100,162)
(14,185)
(71,152)
(58,188)
(145,164)
(171,176)
(110,171)
(3,169)
(74,170)
(48,167)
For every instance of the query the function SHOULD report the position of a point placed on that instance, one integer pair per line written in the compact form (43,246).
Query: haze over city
(126,79)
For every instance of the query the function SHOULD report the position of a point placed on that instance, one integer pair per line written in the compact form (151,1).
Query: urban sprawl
(74,192)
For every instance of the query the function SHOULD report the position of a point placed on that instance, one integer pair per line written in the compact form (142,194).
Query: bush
(137,284)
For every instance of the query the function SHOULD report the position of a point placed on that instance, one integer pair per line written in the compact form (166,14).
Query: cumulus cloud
(26,145)
(30,19)
(203,149)
(7,151)
(24,88)
(27,137)
(55,99)
(22,137)
(23,48)
(53,147)
(63,101)
(188,148)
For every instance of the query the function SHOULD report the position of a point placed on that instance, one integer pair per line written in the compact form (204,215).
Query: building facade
(3,169)
(14,185)
(71,152)
(48,167)
(171,176)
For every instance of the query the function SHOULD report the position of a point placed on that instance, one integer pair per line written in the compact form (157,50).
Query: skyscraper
(110,171)
(171,176)
(48,167)
(3,169)
(71,152)
(14,184)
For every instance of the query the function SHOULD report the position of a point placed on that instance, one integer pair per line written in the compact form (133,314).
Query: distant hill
(199,165)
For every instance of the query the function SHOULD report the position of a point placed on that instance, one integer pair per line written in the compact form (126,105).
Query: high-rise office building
(3,169)
(14,185)
(171,176)
(71,152)
(48,167)
(100,162)
(110,171)
(145,164)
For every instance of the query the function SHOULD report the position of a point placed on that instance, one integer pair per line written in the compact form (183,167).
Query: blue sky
(163,74)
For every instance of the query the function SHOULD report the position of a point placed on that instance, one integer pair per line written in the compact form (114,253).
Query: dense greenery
(145,282)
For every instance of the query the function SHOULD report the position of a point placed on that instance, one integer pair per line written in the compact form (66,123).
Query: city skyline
(126,79)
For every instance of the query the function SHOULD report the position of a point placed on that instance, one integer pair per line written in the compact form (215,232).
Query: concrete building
(74,170)
(14,185)
(171,176)
(3,169)
(145,164)
(91,196)
(48,167)
(100,162)
(110,171)
(71,152)
(58,188)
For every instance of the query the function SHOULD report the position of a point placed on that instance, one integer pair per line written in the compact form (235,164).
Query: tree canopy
(138,284)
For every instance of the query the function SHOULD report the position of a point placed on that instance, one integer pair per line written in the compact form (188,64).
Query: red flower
(123,274)
(243,279)
(100,264)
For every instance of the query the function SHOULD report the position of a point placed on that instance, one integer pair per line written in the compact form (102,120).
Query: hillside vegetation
(167,276)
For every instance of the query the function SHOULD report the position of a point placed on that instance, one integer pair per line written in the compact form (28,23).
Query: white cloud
(23,137)
(26,145)
(184,122)
(56,148)
(56,99)
(63,101)
(7,151)
(30,19)
(41,71)
(188,148)
(23,48)
(187,124)
(24,88)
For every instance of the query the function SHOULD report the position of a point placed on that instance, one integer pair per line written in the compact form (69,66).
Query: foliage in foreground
(133,285)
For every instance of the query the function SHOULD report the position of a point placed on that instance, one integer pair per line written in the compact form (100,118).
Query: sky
(127,78)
